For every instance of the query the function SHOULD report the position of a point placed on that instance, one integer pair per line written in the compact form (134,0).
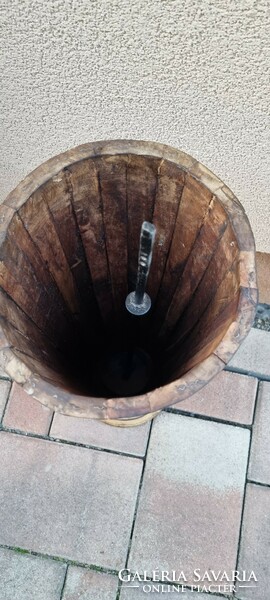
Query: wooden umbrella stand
(69,255)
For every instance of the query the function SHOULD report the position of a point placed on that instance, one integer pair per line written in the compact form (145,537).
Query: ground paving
(80,501)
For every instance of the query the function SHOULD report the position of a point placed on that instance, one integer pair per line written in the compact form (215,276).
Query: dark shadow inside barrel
(70,258)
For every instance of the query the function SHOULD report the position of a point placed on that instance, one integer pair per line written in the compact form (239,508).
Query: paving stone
(132,440)
(3,374)
(191,499)
(263,270)
(229,396)
(254,546)
(67,501)
(259,464)
(25,577)
(254,353)
(25,413)
(84,584)
(4,391)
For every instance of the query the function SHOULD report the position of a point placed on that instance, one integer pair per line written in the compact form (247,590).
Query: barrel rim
(192,381)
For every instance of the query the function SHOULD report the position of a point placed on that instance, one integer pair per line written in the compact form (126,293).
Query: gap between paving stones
(109,451)
(67,442)
(183,413)
(136,508)
(170,409)
(61,559)
(267,485)
(50,426)
(7,399)
(64,584)
(248,373)
(246,480)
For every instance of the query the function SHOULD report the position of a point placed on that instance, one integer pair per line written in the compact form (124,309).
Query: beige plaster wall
(187,73)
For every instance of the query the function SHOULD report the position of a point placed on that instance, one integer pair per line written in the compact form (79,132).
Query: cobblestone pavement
(80,500)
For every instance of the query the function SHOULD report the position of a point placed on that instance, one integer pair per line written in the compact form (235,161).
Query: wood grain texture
(40,226)
(42,351)
(204,247)
(112,172)
(192,210)
(238,218)
(15,316)
(220,263)
(223,303)
(170,184)
(58,194)
(49,374)
(17,292)
(88,209)
(19,236)
(23,285)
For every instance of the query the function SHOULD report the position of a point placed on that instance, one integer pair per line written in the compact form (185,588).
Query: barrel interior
(70,258)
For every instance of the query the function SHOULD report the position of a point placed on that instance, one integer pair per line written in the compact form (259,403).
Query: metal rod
(147,237)
(138,302)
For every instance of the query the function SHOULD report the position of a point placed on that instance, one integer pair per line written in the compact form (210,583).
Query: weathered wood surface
(112,173)
(87,200)
(69,238)
(170,185)
(204,247)
(38,221)
(237,331)
(193,208)
(14,315)
(19,236)
(223,256)
(209,331)
(58,195)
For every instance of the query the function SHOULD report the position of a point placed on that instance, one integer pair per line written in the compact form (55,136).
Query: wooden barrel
(69,250)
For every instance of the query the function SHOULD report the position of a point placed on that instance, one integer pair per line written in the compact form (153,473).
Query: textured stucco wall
(187,73)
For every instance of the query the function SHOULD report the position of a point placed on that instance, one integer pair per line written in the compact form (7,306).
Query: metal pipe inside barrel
(138,302)
(147,237)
